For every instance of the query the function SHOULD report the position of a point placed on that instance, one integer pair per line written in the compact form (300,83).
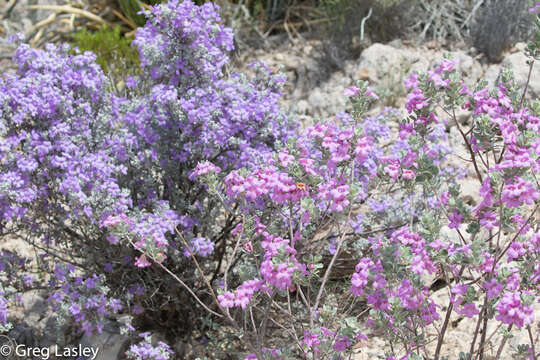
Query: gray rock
(517,63)
(110,343)
(34,305)
(491,74)
(383,62)
(316,98)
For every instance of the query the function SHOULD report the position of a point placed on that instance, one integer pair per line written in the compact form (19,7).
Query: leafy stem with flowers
(330,235)
(317,183)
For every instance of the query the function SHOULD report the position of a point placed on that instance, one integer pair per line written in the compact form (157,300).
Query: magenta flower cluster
(196,172)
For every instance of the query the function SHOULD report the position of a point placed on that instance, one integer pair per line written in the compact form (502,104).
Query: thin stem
(526,84)
(445,324)
(503,342)
(229,263)
(484,332)
(532,343)
(515,237)
(184,286)
(473,342)
(471,152)
(338,248)
(198,267)
(443,331)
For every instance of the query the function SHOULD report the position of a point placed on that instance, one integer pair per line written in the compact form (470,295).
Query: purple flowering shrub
(193,194)
(59,174)
(100,182)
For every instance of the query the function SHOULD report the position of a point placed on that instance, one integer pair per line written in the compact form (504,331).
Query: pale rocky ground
(310,95)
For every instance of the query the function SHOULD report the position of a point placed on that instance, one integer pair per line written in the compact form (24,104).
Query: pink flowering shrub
(195,190)
(392,202)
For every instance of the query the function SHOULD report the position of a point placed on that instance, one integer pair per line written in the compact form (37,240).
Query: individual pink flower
(203,168)
(444,198)
(448,65)
(226,300)
(416,101)
(519,192)
(469,310)
(142,262)
(392,170)
(406,130)
(352,91)
(370,93)
(363,148)
(512,310)
(285,159)
(408,174)
(248,247)
(411,82)
(515,251)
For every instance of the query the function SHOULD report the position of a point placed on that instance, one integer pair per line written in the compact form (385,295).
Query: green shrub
(114,52)
(499,24)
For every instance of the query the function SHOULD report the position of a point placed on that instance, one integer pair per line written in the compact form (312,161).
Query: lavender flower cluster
(101,181)
(199,178)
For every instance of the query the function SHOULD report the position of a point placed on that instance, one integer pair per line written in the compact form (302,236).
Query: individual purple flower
(3,310)
(87,328)
(90,282)
(115,305)
(137,309)
(201,246)
(28,280)
(145,350)
(312,341)
(131,82)
(455,220)
(341,343)
(75,309)
(357,224)
(493,288)
(332,245)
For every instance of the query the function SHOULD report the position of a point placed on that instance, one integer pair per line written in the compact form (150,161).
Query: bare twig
(503,343)
(363,23)
(8,9)
(130,23)
(70,10)
(533,350)
(526,84)
(184,285)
